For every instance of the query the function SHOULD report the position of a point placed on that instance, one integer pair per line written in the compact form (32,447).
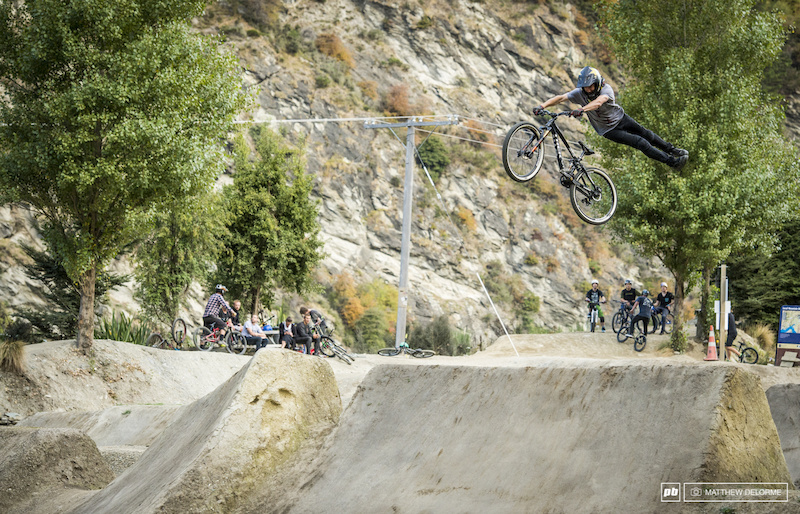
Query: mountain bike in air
(591,190)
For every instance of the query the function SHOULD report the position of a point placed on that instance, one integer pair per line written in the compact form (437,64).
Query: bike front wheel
(389,352)
(156,341)
(523,154)
(179,331)
(326,346)
(235,343)
(422,354)
(622,333)
(749,356)
(593,196)
(202,339)
(616,321)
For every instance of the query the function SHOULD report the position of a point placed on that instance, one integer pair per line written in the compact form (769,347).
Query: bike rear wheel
(422,354)
(202,339)
(593,196)
(389,352)
(622,333)
(179,331)
(235,343)
(156,341)
(749,356)
(522,157)
(669,323)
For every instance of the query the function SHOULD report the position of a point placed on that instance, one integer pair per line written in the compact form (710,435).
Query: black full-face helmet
(589,76)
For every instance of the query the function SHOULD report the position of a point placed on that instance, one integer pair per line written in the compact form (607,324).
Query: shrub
(253,33)
(12,356)
(369,88)
(435,155)
(332,46)
(467,218)
(122,328)
(372,331)
(530,302)
(531,259)
(436,335)
(594,267)
(397,101)
(352,311)
(322,81)
(764,336)
(425,22)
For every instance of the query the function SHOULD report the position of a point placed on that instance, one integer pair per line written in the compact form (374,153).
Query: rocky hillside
(485,62)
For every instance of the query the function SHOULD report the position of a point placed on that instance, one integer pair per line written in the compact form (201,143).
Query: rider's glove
(577,113)
(538,111)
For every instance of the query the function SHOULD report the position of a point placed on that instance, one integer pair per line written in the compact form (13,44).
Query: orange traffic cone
(712,346)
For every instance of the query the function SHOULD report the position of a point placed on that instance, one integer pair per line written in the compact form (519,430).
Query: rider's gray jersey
(645,306)
(605,117)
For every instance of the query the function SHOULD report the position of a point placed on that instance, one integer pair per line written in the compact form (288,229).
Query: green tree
(273,234)
(435,155)
(696,71)
(59,320)
(181,246)
(109,106)
(760,285)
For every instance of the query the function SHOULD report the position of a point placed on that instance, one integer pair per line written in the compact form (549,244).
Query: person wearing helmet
(597,100)
(663,304)
(645,311)
(595,297)
(628,294)
(216,302)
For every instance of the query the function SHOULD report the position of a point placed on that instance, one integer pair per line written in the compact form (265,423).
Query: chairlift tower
(408,200)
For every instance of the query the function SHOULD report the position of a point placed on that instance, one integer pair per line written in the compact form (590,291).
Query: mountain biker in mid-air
(609,120)
(595,297)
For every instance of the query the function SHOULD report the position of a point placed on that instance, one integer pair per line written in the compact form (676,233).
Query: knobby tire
(522,159)
(749,356)
(593,196)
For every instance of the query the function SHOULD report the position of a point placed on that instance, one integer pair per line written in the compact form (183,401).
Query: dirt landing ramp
(784,403)
(557,439)
(222,448)
(34,462)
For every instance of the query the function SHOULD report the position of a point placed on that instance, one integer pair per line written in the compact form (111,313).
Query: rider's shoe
(677,152)
(677,163)
(602,329)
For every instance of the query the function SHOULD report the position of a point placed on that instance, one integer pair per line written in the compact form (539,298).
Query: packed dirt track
(575,423)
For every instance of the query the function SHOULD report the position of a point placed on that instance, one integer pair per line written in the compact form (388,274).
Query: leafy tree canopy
(273,233)
(110,107)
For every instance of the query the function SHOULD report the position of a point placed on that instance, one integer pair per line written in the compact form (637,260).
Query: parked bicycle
(656,320)
(178,336)
(329,347)
(639,337)
(620,317)
(404,348)
(749,355)
(593,315)
(206,339)
(591,190)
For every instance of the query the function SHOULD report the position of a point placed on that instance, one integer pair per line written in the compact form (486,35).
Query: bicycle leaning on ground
(328,346)
(404,348)
(205,338)
(591,190)
(639,337)
(178,336)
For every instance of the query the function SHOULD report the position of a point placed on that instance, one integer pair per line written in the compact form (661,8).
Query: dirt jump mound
(541,439)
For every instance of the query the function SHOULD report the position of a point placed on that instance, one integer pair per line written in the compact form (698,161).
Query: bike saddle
(586,149)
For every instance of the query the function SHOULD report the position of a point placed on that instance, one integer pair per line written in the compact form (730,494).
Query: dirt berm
(540,439)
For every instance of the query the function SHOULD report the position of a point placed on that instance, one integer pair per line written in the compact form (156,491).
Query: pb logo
(670,492)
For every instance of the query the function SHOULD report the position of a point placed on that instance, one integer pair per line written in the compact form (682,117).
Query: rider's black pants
(629,132)
(636,319)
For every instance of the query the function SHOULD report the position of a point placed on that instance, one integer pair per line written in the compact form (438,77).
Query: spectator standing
(286,332)
(663,304)
(732,333)
(595,297)
(253,334)
(237,308)
(628,294)
(316,317)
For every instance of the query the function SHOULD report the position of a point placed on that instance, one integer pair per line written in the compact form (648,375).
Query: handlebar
(555,114)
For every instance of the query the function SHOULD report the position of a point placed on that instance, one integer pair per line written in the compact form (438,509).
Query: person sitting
(253,334)
(306,335)
(316,318)
(286,333)
(216,302)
